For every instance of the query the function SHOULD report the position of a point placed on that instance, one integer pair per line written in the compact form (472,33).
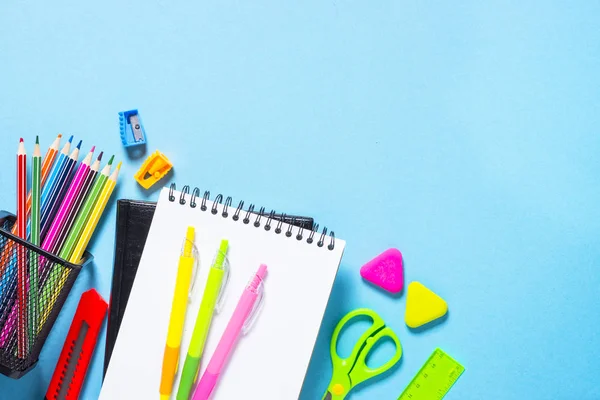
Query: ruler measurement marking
(434,379)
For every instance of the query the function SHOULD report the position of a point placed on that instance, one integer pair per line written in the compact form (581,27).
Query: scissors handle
(361,371)
(354,369)
(359,312)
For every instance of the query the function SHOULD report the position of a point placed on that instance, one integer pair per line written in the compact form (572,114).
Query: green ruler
(434,379)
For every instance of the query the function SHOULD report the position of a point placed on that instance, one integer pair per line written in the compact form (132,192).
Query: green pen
(213,293)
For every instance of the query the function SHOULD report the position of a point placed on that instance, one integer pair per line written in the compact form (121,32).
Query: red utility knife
(79,346)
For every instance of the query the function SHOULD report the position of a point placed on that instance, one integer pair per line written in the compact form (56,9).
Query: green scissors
(349,372)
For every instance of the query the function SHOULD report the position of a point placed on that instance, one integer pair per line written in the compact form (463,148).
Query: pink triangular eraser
(385,271)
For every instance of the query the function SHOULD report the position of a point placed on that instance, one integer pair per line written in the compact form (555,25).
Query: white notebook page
(267,363)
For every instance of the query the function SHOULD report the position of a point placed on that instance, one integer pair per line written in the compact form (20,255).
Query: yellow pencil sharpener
(156,166)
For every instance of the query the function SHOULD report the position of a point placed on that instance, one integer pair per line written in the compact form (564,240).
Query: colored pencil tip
(100,156)
(71,139)
(37,139)
(21,140)
(111,160)
(93,149)
(119,164)
(79,144)
(60,135)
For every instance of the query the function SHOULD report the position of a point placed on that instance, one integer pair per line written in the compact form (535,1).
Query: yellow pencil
(85,237)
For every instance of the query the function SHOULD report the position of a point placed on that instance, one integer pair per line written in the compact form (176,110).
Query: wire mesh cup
(34,285)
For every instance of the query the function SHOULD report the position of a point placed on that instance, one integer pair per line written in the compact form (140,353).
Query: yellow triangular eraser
(423,306)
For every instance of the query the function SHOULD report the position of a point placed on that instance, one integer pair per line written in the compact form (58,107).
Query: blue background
(463,133)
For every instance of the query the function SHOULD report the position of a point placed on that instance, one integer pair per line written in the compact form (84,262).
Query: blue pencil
(57,193)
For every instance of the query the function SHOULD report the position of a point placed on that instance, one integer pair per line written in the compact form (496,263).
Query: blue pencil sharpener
(132,130)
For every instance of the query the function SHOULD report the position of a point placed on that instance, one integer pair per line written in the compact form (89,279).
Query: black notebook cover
(133,224)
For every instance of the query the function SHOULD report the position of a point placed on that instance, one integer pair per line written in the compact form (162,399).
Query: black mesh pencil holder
(27,315)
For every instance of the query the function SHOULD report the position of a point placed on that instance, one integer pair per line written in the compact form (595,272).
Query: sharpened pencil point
(21,140)
(111,160)
(100,156)
(60,135)
(71,139)
(37,139)
(119,164)
(79,144)
(93,149)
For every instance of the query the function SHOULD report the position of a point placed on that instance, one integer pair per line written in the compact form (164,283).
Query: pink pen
(242,319)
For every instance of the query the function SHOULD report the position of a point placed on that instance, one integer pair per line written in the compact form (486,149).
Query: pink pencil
(63,211)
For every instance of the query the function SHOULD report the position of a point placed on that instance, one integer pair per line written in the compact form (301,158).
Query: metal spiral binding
(227,204)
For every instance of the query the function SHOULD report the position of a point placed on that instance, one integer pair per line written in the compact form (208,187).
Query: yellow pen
(178,309)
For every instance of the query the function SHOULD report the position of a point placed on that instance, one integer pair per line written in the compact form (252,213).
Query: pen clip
(224,282)
(252,316)
(196,257)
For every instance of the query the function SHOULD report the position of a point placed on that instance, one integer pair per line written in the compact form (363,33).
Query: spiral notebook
(271,360)
(134,218)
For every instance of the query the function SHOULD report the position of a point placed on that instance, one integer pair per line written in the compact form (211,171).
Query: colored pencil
(74,234)
(22,232)
(60,188)
(77,204)
(9,286)
(44,273)
(57,170)
(95,215)
(84,213)
(46,165)
(61,215)
(50,242)
(84,239)
(49,159)
(36,183)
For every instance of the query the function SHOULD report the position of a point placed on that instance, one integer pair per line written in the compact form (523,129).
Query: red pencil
(22,232)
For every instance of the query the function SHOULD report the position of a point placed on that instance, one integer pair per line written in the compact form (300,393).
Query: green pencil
(36,183)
